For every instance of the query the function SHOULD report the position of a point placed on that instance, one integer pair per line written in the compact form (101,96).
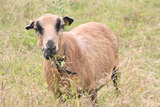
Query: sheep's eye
(36,29)
(58,25)
(62,27)
(39,28)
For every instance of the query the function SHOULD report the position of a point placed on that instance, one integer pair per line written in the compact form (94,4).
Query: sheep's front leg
(52,77)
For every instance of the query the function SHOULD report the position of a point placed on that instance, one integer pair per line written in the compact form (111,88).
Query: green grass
(136,24)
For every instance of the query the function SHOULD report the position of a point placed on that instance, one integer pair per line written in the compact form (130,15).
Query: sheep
(86,56)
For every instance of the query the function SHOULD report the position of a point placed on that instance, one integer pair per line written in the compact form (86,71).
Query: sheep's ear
(67,20)
(30,26)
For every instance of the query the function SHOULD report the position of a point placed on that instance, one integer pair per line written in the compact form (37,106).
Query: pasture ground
(136,24)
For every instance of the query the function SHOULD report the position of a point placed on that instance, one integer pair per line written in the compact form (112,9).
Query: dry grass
(135,22)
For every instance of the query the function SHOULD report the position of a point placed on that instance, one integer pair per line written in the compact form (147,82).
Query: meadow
(136,23)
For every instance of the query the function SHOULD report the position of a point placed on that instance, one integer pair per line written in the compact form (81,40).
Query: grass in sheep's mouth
(136,24)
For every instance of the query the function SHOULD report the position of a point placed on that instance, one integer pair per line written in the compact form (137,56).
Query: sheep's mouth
(48,56)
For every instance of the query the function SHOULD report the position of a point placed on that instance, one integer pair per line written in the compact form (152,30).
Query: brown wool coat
(92,52)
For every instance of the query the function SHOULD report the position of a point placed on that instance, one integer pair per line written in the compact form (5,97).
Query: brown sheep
(86,57)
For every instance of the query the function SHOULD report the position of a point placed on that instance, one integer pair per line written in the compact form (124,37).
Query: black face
(39,28)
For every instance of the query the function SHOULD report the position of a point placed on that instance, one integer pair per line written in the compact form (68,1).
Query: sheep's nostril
(51,50)
(54,48)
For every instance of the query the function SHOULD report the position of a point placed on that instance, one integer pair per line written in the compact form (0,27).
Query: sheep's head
(49,29)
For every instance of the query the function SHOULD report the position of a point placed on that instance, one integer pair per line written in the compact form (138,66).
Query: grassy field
(136,24)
